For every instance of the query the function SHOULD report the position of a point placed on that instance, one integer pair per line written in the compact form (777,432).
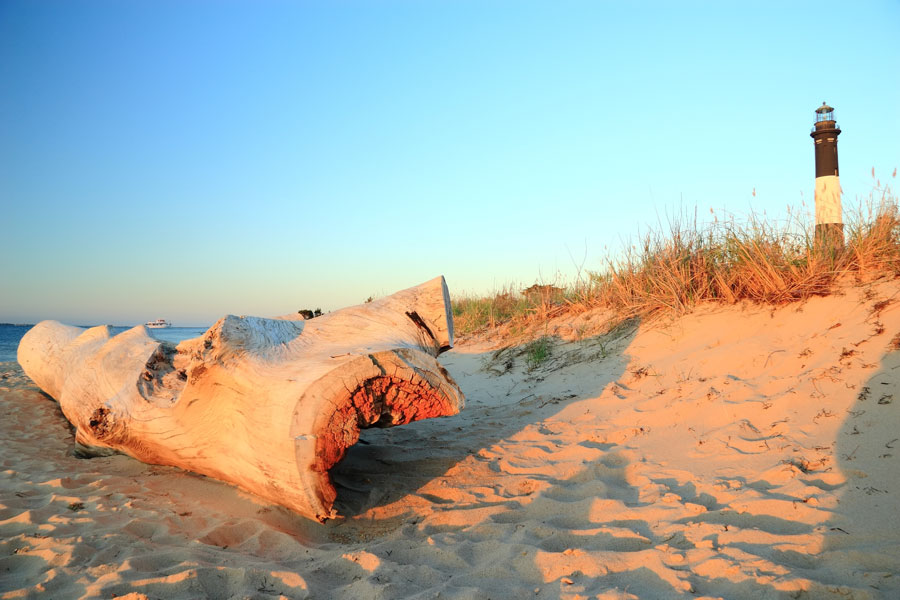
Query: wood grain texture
(269,405)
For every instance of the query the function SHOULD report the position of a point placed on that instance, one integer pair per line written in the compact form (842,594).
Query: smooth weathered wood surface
(267,404)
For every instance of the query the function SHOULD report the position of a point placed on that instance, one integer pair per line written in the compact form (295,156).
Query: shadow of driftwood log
(391,464)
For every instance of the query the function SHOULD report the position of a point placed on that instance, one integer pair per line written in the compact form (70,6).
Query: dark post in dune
(829,222)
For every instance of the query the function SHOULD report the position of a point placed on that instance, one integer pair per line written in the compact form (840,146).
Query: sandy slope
(738,452)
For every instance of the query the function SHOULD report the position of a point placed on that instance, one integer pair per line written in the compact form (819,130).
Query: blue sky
(191,159)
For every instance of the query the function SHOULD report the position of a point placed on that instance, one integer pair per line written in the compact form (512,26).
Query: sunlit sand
(738,452)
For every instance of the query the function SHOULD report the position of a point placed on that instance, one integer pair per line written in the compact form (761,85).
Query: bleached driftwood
(267,404)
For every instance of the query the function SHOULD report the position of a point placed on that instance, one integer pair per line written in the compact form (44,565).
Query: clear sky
(191,159)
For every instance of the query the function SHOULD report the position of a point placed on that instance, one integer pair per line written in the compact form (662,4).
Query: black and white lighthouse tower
(829,223)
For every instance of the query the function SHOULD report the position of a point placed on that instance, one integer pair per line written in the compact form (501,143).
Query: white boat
(158,324)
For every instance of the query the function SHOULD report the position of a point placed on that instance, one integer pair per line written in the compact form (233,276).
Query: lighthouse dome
(824,113)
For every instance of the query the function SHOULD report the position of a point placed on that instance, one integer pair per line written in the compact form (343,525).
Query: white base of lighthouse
(829,221)
(828,200)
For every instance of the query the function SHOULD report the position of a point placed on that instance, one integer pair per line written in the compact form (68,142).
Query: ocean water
(10,335)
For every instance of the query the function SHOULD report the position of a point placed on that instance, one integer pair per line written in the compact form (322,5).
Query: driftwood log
(267,404)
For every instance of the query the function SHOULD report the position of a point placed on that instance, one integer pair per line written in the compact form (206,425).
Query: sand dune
(736,452)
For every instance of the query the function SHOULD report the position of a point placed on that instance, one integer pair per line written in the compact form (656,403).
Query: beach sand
(737,452)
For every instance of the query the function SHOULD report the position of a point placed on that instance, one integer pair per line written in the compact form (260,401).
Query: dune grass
(675,268)
(475,313)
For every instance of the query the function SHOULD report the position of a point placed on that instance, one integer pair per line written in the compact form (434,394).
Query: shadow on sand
(503,396)
(863,537)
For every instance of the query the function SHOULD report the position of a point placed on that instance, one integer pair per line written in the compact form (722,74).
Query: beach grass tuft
(676,267)
(538,351)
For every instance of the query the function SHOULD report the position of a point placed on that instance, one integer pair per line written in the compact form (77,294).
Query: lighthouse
(829,224)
